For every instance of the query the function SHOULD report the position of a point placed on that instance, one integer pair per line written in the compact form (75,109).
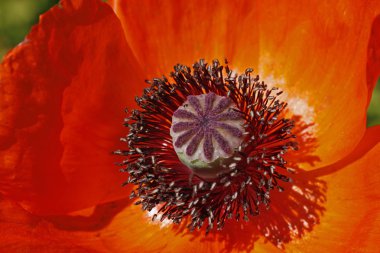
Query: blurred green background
(17,17)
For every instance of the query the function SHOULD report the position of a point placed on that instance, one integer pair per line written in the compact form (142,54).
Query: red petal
(316,52)
(63,93)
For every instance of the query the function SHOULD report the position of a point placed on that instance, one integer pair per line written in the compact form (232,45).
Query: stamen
(207,145)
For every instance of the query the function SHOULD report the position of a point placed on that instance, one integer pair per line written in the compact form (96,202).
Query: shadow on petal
(101,217)
(292,213)
(373,57)
(369,140)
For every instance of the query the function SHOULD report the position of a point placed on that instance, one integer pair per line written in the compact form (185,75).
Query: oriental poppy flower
(64,88)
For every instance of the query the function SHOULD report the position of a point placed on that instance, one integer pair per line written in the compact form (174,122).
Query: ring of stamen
(163,182)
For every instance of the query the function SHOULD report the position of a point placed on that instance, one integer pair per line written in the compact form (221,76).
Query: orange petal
(164,33)
(63,93)
(316,52)
(352,217)
(343,203)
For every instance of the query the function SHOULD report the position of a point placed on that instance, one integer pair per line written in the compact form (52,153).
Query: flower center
(207,130)
(206,145)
